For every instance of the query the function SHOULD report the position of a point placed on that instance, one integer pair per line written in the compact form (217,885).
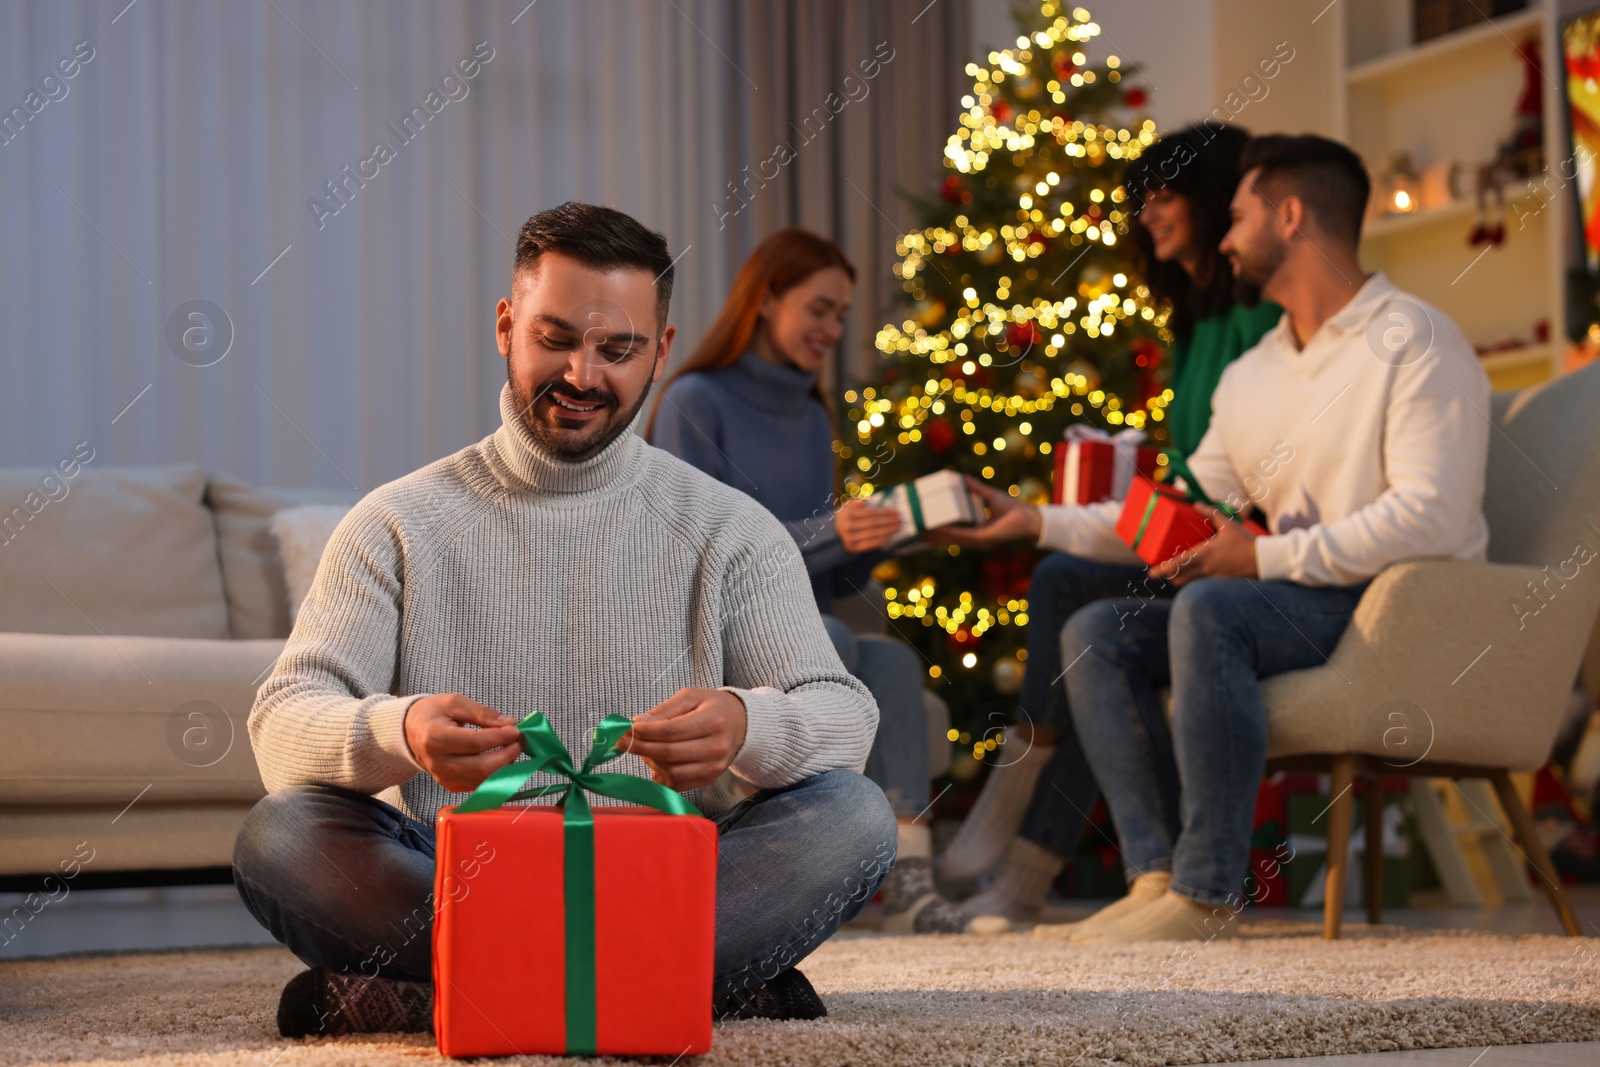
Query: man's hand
(690,738)
(863,527)
(457,756)
(1231,553)
(1010,519)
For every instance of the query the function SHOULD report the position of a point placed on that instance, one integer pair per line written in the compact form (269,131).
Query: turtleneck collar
(768,385)
(526,466)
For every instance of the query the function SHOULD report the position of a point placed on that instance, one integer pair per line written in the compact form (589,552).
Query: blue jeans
(346,881)
(892,671)
(1211,644)
(1066,791)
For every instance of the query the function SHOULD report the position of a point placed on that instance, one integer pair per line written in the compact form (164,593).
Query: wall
(1300,99)
(1172,42)
(181,159)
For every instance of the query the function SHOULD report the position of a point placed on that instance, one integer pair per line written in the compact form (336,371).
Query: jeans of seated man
(345,881)
(1066,791)
(1212,644)
(892,671)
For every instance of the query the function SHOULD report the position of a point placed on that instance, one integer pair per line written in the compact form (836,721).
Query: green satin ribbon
(1144,521)
(916,507)
(548,754)
(1192,484)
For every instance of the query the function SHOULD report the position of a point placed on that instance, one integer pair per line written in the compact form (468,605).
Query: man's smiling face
(581,347)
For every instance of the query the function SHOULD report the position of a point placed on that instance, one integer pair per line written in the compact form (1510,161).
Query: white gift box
(934,500)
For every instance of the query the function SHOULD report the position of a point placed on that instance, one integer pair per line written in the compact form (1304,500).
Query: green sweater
(1197,366)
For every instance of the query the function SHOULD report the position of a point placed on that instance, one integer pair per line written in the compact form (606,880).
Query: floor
(110,920)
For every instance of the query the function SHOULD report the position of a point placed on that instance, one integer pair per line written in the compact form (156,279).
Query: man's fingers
(683,726)
(1185,566)
(1219,518)
(465,709)
(679,703)
(678,753)
(455,741)
(489,762)
(977,485)
(886,522)
(686,776)
(462,774)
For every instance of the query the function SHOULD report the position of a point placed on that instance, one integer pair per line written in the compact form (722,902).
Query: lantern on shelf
(1401,187)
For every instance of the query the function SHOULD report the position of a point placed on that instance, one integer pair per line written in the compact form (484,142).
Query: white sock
(913,841)
(997,816)
(1021,885)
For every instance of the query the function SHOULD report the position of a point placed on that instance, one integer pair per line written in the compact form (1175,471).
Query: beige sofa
(139,610)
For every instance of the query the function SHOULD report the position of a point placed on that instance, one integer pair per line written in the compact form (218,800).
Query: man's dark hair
(599,237)
(1328,177)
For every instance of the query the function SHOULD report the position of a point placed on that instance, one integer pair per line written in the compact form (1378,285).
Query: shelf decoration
(1401,188)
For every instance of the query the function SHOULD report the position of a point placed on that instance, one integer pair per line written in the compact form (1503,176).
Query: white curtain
(179,161)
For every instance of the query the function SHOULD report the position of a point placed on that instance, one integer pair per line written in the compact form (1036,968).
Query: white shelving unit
(1451,99)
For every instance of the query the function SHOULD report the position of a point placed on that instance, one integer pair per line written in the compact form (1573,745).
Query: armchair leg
(1534,849)
(1372,808)
(1339,817)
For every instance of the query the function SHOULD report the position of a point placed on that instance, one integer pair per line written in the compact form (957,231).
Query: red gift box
(1267,885)
(561,930)
(499,969)
(1158,522)
(1091,466)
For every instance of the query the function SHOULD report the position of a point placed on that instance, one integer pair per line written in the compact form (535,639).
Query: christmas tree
(1023,317)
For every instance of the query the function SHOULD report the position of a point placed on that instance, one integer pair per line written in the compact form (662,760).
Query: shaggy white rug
(1277,990)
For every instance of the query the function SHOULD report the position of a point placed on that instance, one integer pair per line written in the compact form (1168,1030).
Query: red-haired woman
(747,409)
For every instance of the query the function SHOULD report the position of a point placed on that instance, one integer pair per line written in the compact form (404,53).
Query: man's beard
(587,441)
(1250,276)
(1246,291)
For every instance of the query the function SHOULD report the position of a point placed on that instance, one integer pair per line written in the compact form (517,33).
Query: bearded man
(560,565)
(1358,428)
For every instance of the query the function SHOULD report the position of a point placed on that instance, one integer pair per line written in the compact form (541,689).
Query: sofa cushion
(102,720)
(118,550)
(252,565)
(302,534)
(70,839)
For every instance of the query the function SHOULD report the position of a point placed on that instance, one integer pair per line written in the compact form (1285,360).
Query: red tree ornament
(1024,334)
(1147,357)
(1135,97)
(939,436)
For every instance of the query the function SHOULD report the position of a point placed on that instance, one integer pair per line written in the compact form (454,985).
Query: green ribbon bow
(549,754)
(1192,485)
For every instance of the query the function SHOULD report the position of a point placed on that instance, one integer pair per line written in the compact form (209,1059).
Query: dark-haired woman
(1032,812)
(747,409)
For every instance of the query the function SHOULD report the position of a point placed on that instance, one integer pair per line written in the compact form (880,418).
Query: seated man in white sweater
(561,565)
(1358,427)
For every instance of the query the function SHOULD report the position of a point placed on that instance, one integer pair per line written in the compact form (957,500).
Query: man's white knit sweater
(577,589)
(1365,447)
